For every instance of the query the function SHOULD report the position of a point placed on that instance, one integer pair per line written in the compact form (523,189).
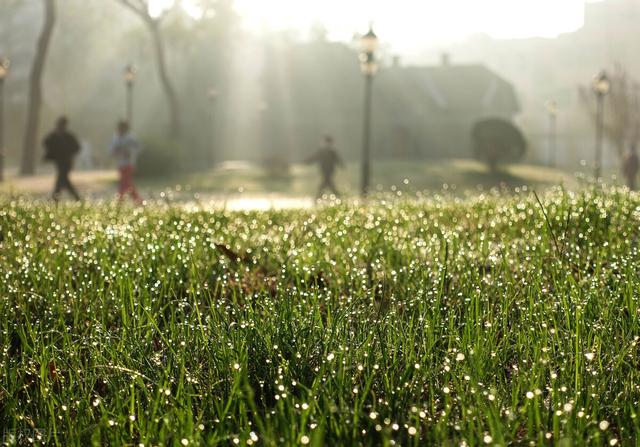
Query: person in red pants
(125,148)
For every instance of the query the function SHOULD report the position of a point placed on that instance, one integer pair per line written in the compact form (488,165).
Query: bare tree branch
(138,7)
(141,9)
(622,112)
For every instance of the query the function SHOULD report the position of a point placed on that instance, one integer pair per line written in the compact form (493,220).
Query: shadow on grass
(302,180)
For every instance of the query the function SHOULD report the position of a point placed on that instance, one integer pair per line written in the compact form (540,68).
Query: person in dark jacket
(328,159)
(61,147)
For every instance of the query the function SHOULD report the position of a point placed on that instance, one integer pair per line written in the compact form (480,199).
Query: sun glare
(156,7)
(408,23)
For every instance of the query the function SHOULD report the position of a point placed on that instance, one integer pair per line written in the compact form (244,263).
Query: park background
(266,93)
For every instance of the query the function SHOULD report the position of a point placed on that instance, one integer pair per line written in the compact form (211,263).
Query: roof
(451,87)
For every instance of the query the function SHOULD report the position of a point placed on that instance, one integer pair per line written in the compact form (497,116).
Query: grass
(488,320)
(435,175)
(457,176)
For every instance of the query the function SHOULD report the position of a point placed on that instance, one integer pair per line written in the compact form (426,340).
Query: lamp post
(212,94)
(262,108)
(129,76)
(4,71)
(636,107)
(369,67)
(552,111)
(601,87)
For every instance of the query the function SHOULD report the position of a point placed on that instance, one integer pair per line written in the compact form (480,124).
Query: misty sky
(408,25)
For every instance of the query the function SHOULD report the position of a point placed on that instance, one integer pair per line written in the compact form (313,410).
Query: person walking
(328,160)
(125,148)
(630,166)
(61,147)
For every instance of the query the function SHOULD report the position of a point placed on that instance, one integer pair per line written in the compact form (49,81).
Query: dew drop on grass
(304,440)
(603,425)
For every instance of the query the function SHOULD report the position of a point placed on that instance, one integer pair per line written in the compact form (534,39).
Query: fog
(254,92)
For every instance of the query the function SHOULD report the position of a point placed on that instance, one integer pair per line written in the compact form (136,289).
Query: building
(545,69)
(419,112)
(428,112)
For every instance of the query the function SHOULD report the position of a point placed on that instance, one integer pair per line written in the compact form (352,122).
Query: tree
(622,111)
(497,141)
(34,105)
(141,9)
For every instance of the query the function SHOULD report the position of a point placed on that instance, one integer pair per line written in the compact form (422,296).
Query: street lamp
(129,76)
(369,67)
(263,107)
(552,111)
(636,106)
(601,87)
(4,71)
(212,94)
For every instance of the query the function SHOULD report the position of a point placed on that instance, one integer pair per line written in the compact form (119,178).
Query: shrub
(158,158)
(497,141)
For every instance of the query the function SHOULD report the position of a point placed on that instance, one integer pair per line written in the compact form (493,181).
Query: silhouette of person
(61,147)
(125,148)
(328,160)
(630,166)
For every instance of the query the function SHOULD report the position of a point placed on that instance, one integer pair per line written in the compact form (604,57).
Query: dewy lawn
(484,321)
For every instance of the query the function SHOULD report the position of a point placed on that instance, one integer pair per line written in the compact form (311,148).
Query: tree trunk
(30,146)
(167,86)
